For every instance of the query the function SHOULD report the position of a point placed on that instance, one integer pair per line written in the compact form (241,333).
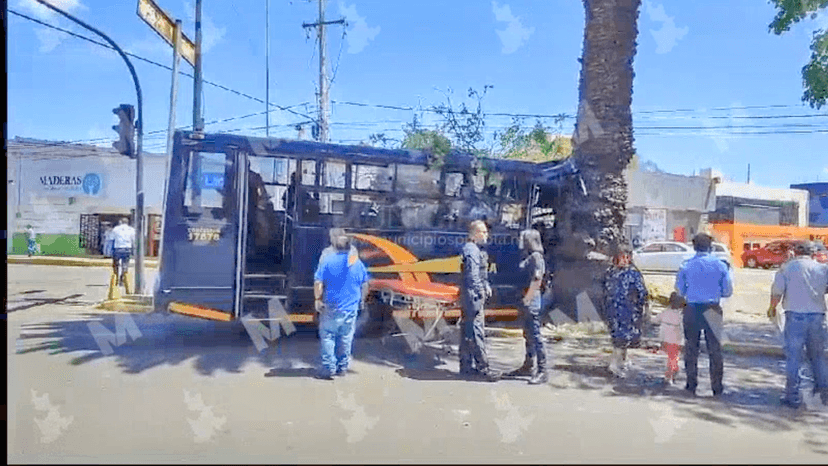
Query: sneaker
(540,378)
(616,369)
(324,376)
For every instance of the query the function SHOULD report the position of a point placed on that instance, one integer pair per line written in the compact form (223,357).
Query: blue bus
(246,219)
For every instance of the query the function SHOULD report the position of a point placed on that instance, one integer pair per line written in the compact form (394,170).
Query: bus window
(263,166)
(417,179)
(309,172)
(282,169)
(418,213)
(511,215)
(206,180)
(372,177)
(479,183)
(335,174)
(277,196)
(454,184)
(332,203)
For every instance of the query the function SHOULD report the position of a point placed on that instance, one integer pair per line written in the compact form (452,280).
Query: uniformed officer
(475,290)
(533,268)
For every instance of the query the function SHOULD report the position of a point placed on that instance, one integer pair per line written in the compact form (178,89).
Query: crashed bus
(246,219)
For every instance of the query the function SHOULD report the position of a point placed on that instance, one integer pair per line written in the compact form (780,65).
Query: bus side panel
(308,243)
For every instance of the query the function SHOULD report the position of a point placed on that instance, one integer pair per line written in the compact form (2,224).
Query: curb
(130,305)
(70,261)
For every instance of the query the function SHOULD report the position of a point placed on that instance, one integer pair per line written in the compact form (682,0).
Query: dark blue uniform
(472,298)
(534,269)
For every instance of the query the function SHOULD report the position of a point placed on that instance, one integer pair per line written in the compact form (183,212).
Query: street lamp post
(139,155)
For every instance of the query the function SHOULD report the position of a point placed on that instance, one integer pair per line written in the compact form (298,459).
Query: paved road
(187,390)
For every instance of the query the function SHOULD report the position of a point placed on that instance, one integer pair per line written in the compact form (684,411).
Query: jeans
(695,322)
(531,331)
(808,330)
(120,258)
(336,338)
(473,337)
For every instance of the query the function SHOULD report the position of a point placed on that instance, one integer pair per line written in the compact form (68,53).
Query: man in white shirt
(124,238)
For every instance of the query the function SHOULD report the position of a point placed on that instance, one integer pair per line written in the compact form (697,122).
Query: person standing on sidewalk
(625,300)
(801,285)
(474,291)
(534,268)
(340,288)
(31,239)
(123,237)
(703,281)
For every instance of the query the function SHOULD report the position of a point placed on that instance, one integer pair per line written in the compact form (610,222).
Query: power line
(80,36)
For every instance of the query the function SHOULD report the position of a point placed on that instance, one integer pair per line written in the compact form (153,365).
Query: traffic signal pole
(139,154)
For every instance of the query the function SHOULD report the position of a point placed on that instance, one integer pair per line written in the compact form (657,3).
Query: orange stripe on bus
(398,255)
(198,311)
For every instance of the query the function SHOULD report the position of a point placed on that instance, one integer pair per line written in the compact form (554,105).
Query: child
(671,333)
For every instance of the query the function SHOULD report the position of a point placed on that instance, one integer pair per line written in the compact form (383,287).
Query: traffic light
(126,130)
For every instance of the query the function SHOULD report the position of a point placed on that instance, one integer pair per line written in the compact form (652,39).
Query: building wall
(818,203)
(51,189)
(786,201)
(659,203)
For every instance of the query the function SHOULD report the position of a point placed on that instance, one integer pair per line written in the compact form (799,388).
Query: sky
(706,73)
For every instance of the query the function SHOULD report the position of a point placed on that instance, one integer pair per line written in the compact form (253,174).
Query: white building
(758,205)
(53,185)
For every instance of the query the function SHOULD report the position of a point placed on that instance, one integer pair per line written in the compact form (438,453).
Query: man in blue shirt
(340,287)
(703,281)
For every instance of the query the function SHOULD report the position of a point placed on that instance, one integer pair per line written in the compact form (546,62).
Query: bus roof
(543,173)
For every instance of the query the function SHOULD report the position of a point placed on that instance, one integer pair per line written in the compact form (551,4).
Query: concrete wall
(51,186)
(658,203)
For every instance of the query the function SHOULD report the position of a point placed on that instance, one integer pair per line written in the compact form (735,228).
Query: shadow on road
(139,342)
(753,385)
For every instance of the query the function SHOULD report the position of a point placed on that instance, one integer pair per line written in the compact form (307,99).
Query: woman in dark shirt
(625,299)
(533,268)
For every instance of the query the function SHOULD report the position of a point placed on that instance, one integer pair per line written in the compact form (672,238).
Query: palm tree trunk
(603,146)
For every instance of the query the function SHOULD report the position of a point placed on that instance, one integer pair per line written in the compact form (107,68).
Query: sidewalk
(72,261)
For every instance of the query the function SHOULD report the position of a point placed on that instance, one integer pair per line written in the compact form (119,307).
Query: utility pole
(198,121)
(323,74)
(267,68)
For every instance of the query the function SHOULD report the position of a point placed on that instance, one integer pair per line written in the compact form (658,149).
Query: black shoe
(343,372)
(789,403)
(489,375)
(527,369)
(541,377)
(690,391)
(718,393)
(324,376)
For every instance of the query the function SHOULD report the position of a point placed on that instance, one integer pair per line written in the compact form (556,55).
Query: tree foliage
(815,72)
(537,144)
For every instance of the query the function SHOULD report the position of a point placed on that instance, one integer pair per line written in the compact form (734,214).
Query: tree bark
(603,146)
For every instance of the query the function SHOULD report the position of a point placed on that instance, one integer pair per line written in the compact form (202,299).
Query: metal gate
(90,233)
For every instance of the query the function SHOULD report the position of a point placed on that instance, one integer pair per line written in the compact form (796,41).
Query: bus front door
(200,267)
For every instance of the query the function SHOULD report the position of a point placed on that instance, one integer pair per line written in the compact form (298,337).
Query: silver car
(669,255)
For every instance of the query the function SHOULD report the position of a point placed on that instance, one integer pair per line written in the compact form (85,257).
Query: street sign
(161,22)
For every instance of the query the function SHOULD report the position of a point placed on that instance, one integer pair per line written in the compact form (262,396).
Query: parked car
(669,255)
(772,254)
